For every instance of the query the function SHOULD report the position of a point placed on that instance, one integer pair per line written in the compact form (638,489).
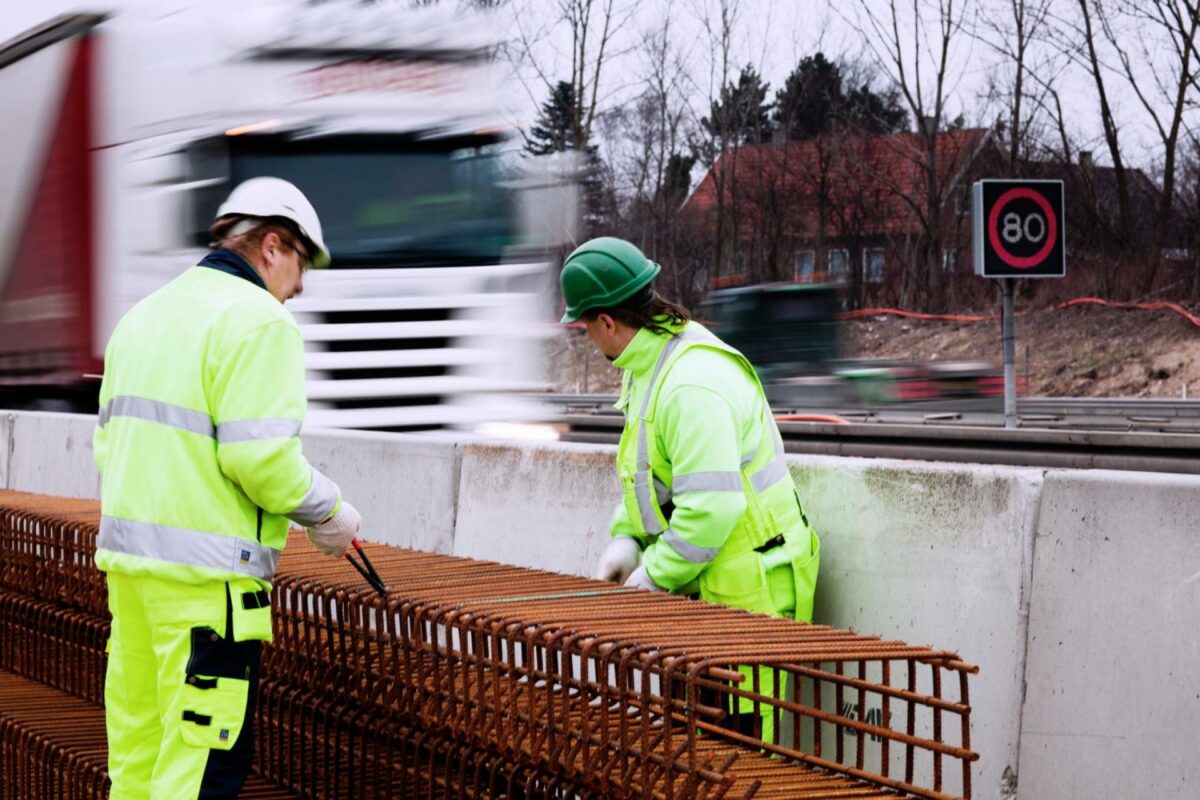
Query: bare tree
(648,145)
(929,29)
(1013,31)
(1189,204)
(1078,39)
(1172,73)
(593,27)
(720,30)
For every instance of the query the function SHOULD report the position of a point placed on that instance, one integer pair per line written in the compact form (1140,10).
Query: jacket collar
(640,354)
(224,260)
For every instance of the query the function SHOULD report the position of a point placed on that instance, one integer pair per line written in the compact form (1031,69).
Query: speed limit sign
(1018,229)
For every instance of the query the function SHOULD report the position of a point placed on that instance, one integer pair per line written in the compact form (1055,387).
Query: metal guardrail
(1137,435)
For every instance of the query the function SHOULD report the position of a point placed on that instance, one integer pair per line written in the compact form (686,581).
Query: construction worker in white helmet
(202,473)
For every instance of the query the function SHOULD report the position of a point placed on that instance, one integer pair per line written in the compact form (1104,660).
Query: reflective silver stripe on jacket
(775,471)
(187,547)
(714,481)
(246,430)
(687,550)
(642,478)
(187,419)
(157,411)
(318,503)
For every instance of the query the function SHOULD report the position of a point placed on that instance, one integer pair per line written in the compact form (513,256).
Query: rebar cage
(477,679)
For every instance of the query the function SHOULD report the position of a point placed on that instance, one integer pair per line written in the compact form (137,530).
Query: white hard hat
(275,197)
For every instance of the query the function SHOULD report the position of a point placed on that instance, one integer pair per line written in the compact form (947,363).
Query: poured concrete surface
(51,453)
(932,554)
(544,506)
(1113,672)
(405,487)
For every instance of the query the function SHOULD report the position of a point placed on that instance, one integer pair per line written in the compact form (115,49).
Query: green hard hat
(601,273)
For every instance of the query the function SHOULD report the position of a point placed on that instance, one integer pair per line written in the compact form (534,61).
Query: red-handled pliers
(366,569)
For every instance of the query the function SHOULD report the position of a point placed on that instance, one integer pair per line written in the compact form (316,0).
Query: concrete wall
(536,506)
(406,488)
(1077,592)
(1113,673)
(50,453)
(933,554)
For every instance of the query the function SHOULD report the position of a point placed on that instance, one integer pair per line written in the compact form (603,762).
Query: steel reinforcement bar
(473,679)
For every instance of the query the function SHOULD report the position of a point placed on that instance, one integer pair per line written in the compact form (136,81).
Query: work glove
(620,558)
(640,579)
(333,536)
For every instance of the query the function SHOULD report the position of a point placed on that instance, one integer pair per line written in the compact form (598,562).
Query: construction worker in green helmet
(708,507)
(199,451)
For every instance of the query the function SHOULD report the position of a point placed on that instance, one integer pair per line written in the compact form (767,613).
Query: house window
(805,265)
(949,260)
(873,264)
(839,261)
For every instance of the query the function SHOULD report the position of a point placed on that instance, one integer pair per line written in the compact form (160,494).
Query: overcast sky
(771,35)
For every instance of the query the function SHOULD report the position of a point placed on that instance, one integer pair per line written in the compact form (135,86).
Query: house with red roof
(849,209)
(883,215)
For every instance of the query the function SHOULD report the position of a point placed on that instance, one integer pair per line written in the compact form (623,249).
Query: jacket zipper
(258,532)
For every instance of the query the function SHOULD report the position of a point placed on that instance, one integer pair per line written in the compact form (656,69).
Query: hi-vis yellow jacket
(706,490)
(198,435)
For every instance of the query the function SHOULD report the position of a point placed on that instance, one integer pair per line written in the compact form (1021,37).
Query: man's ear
(271,243)
(608,322)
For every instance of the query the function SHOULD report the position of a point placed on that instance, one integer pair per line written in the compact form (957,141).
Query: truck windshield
(388,204)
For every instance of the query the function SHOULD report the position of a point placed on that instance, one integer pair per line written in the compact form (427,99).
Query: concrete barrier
(406,487)
(933,554)
(1113,671)
(6,444)
(1077,592)
(544,506)
(51,453)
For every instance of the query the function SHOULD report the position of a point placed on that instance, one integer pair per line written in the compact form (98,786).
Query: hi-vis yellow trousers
(180,690)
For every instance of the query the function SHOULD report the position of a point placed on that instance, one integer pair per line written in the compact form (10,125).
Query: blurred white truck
(122,134)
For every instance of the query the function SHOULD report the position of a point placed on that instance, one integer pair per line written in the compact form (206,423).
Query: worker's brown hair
(646,309)
(247,243)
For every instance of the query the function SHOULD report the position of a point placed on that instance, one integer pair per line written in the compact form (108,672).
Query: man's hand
(640,579)
(620,558)
(333,536)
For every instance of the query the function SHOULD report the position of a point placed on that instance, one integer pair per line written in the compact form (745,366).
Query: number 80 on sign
(1018,229)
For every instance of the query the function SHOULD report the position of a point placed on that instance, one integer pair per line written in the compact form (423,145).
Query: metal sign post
(1018,232)
(1008,326)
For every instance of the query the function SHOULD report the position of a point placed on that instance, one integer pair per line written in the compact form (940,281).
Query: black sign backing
(1019,229)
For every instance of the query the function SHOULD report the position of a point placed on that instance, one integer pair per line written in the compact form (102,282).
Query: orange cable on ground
(896,312)
(812,418)
(1095,301)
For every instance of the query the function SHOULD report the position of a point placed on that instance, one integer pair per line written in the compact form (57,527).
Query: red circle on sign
(1022,262)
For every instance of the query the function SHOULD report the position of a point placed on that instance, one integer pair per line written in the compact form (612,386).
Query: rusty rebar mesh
(52,745)
(574,686)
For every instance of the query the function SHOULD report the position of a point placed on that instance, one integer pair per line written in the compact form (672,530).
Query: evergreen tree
(556,131)
(876,112)
(677,179)
(742,114)
(814,99)
(810,97)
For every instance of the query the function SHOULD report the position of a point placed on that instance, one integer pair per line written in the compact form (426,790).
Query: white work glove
(640,579)
(333,536)
(620,558)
